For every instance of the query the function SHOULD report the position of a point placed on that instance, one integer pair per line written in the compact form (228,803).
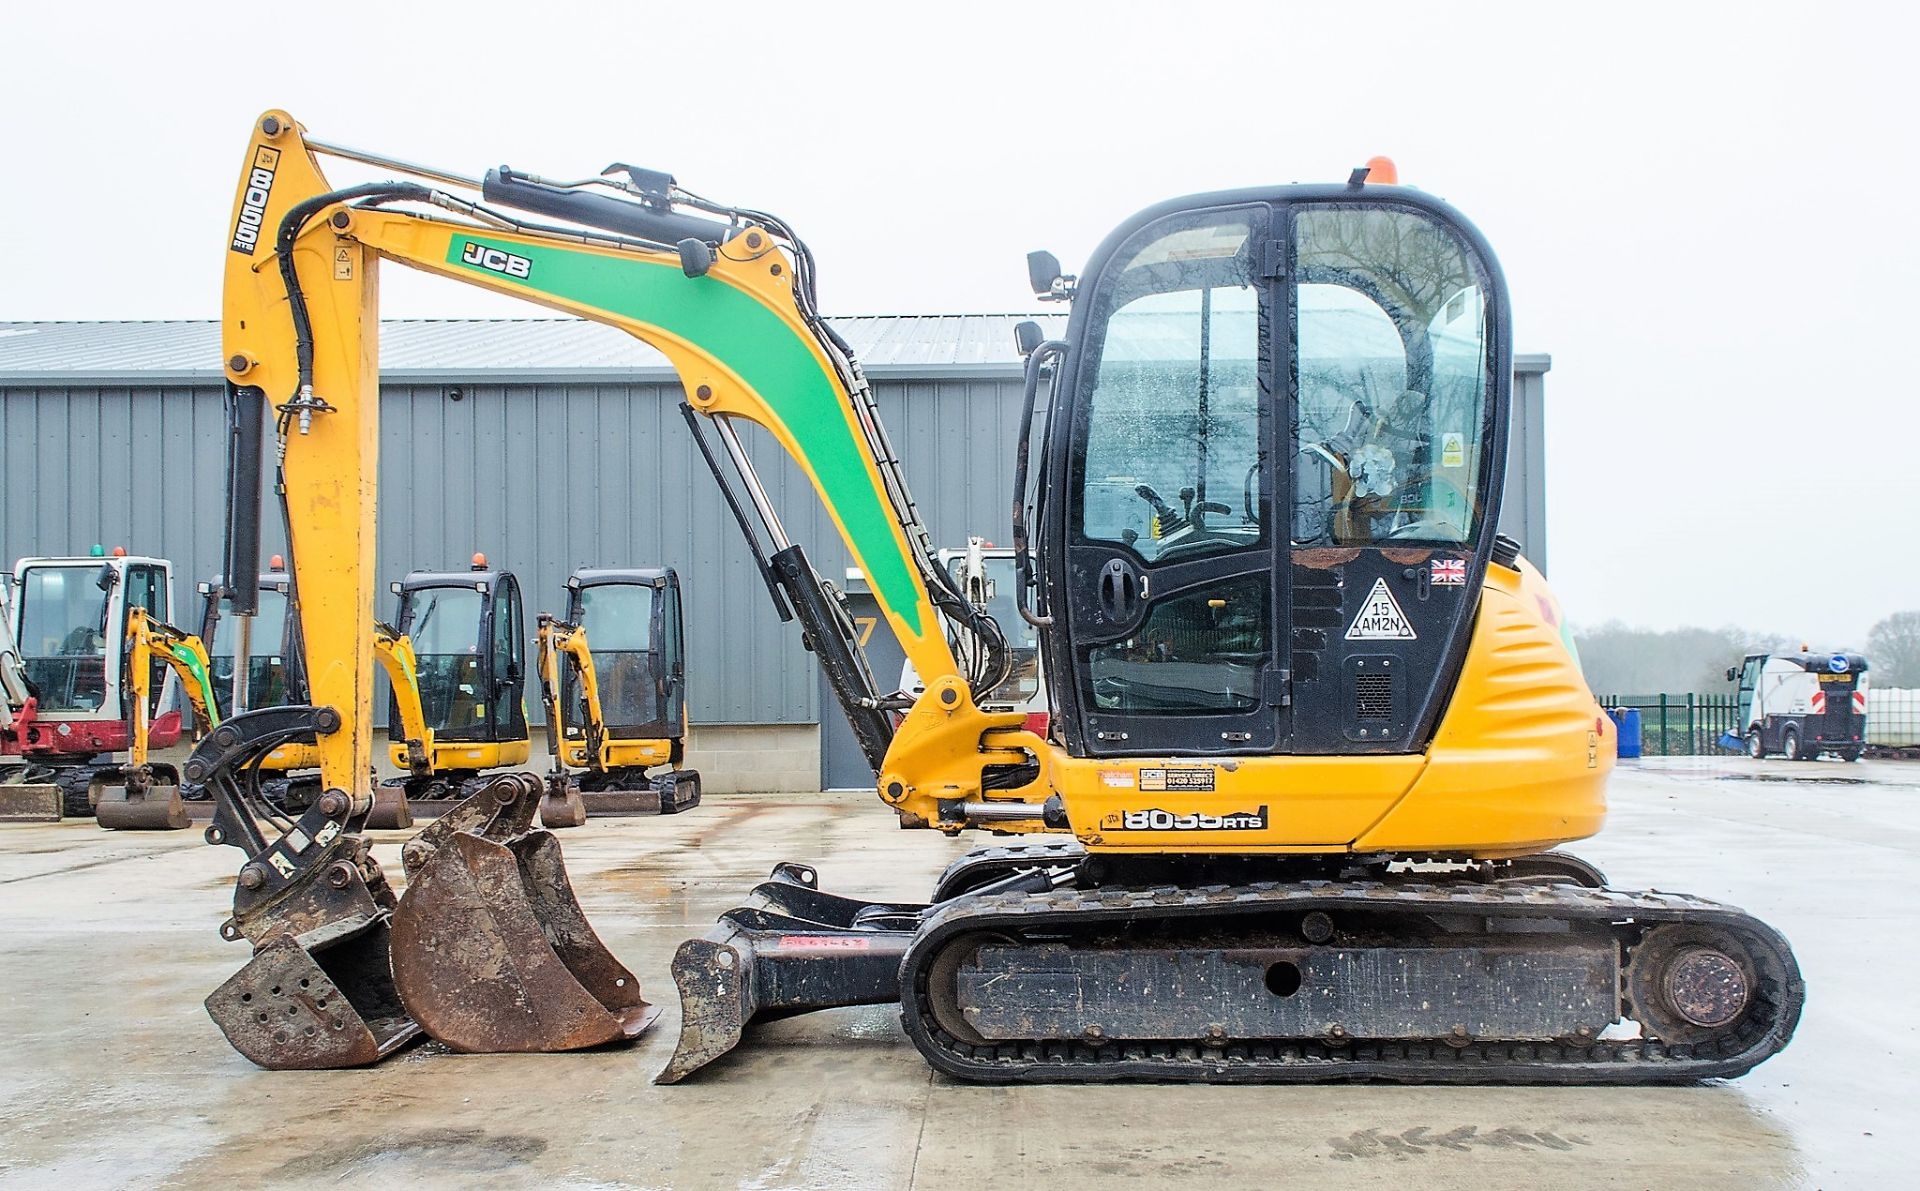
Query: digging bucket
(312,1003)
(491,950)
(127,806)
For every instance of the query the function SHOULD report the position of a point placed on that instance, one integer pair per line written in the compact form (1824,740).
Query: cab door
(1398,377)
(506,661)
(1169,590)
(1286,438)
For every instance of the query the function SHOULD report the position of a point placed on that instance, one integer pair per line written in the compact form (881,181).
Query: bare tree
(1893,650)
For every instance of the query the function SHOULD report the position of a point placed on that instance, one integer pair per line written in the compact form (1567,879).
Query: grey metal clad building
(548,444)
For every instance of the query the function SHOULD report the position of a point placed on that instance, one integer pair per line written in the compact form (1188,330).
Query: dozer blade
(327,1003)
(29,802)
(492,952)
(788,949)
(159,808)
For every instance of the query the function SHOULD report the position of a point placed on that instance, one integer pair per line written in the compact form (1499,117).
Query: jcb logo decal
(253,201)
(496,260)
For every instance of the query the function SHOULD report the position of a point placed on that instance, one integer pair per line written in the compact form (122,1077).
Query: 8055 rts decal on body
(1158,819)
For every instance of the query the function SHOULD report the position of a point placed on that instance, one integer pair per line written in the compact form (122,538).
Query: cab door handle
(1120,590)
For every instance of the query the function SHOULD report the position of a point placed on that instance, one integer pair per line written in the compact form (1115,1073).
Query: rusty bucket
(143,800)
(315,1003)
(491,951)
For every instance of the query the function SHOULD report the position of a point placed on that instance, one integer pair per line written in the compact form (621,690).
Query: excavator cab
(70,622)
(468,638)
(1294,576)
(613,676)
(275,675)
(275,660)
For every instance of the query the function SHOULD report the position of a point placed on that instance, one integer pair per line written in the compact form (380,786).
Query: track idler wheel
(492,952)
(1691,984)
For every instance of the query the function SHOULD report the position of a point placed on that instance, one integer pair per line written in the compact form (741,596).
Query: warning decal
(1380,618)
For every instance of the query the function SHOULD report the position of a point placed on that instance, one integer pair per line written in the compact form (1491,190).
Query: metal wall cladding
(542,477)
(545,476)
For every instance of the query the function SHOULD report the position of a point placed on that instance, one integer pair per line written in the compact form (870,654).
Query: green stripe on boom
(762,350)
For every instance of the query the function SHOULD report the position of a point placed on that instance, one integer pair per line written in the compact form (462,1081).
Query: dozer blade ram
(318,991)
(491,950)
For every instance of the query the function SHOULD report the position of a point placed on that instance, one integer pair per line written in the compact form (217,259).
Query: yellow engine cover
(1518,764)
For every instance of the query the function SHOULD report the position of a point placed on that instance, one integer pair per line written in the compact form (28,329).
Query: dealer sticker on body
(1197,778)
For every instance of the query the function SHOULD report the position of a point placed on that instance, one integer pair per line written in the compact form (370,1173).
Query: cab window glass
(445,630)
(618,618)
(1194,653)
(1391,350)
(1169,449)
(62,613)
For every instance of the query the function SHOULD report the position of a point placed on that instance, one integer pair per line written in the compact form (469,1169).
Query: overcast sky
(1706,213)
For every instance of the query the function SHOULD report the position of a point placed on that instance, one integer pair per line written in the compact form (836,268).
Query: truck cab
(1801,705)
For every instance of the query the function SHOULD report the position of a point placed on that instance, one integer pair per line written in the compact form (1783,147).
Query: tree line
(1621,659)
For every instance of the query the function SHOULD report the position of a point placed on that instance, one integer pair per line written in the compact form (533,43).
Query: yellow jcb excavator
(455,659)
(140,800)
(1316,727)
(616,708)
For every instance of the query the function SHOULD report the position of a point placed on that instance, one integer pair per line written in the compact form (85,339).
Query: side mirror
(1733,672)
(104,578)
(1048,282)
(1027,336)
(1043,268)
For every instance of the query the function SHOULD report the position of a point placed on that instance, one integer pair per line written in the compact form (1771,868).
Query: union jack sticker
(1449,572)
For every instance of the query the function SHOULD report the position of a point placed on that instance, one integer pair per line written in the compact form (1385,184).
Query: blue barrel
(1627,720)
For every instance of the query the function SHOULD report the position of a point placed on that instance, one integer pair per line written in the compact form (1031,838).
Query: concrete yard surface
(111,1072)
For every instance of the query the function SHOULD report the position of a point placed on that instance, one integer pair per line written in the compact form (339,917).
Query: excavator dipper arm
(730,304)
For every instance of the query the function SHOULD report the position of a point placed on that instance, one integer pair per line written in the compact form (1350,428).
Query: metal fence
(1686,725)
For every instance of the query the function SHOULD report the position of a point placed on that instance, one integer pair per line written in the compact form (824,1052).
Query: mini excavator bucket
(144,801)
(317,991)
(491,950)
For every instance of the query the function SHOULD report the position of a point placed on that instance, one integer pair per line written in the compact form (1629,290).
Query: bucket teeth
(291,1009)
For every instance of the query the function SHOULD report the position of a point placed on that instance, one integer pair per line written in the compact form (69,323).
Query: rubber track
(1768,1026)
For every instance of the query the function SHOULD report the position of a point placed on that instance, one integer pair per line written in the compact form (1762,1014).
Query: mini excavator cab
(633,621)
(1272,475)
(466,629)
(275,659)
(70,624)
(613,674)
